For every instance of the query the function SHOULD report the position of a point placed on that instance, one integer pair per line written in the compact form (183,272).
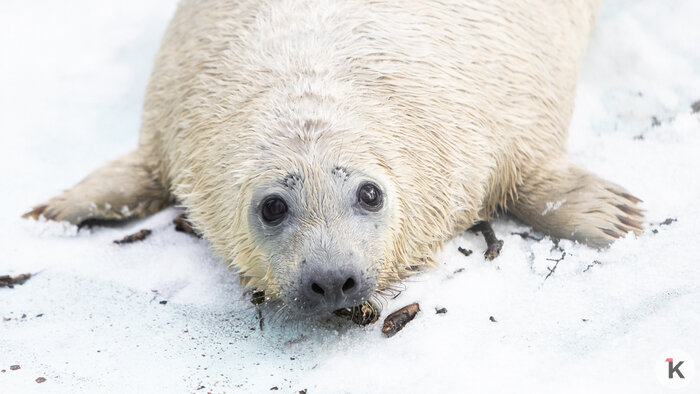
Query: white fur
(458,108)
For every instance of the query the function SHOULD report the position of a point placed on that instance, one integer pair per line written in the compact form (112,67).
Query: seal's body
(326,147)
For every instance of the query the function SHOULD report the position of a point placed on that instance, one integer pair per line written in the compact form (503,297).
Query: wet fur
(458,108)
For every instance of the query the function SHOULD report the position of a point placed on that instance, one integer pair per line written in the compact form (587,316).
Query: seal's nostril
(349,284)
(317,289)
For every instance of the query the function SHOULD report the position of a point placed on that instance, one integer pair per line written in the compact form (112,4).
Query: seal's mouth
(331,303)
(366,313)
(294,301)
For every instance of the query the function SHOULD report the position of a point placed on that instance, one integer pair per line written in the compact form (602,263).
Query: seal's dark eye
(274,209)
(370,197)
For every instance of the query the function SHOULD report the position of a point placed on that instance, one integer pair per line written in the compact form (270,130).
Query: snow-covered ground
(72,76)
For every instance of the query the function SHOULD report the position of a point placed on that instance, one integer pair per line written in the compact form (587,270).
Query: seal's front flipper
(566,201)
(123,189)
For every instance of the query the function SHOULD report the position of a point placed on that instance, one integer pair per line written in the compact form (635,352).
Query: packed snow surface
(72,76)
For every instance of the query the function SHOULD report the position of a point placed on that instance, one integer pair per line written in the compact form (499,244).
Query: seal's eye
(274,209)
(370,197)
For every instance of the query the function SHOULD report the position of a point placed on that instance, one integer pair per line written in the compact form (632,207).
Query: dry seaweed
(398,320)
(258,297)
(11,281)
(364,314)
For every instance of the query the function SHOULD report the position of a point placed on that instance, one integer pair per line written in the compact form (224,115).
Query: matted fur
(459,108)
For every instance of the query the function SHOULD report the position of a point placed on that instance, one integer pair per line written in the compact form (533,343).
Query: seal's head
(313,220)
(322,230)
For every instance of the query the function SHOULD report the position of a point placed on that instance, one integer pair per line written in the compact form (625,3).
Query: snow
(72,77)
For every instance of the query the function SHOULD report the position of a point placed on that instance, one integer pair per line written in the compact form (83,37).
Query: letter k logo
(672,369)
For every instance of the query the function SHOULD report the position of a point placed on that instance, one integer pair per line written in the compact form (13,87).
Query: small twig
(261,319)
(551,270)
(156,294)
(559,259)
(595,262)
(556,247)
(136,237)
(493,244)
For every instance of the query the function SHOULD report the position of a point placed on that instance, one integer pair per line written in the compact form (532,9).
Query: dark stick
(465,252)
(11,281)
(261,319)
(137,237)
(493,244)
(557,261)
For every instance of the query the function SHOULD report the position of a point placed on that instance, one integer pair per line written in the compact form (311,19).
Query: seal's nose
(336,287)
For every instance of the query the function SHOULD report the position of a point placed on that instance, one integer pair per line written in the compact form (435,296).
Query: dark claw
(629,222)
(610,232)
(35,213)
(629,210)
(631,198)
